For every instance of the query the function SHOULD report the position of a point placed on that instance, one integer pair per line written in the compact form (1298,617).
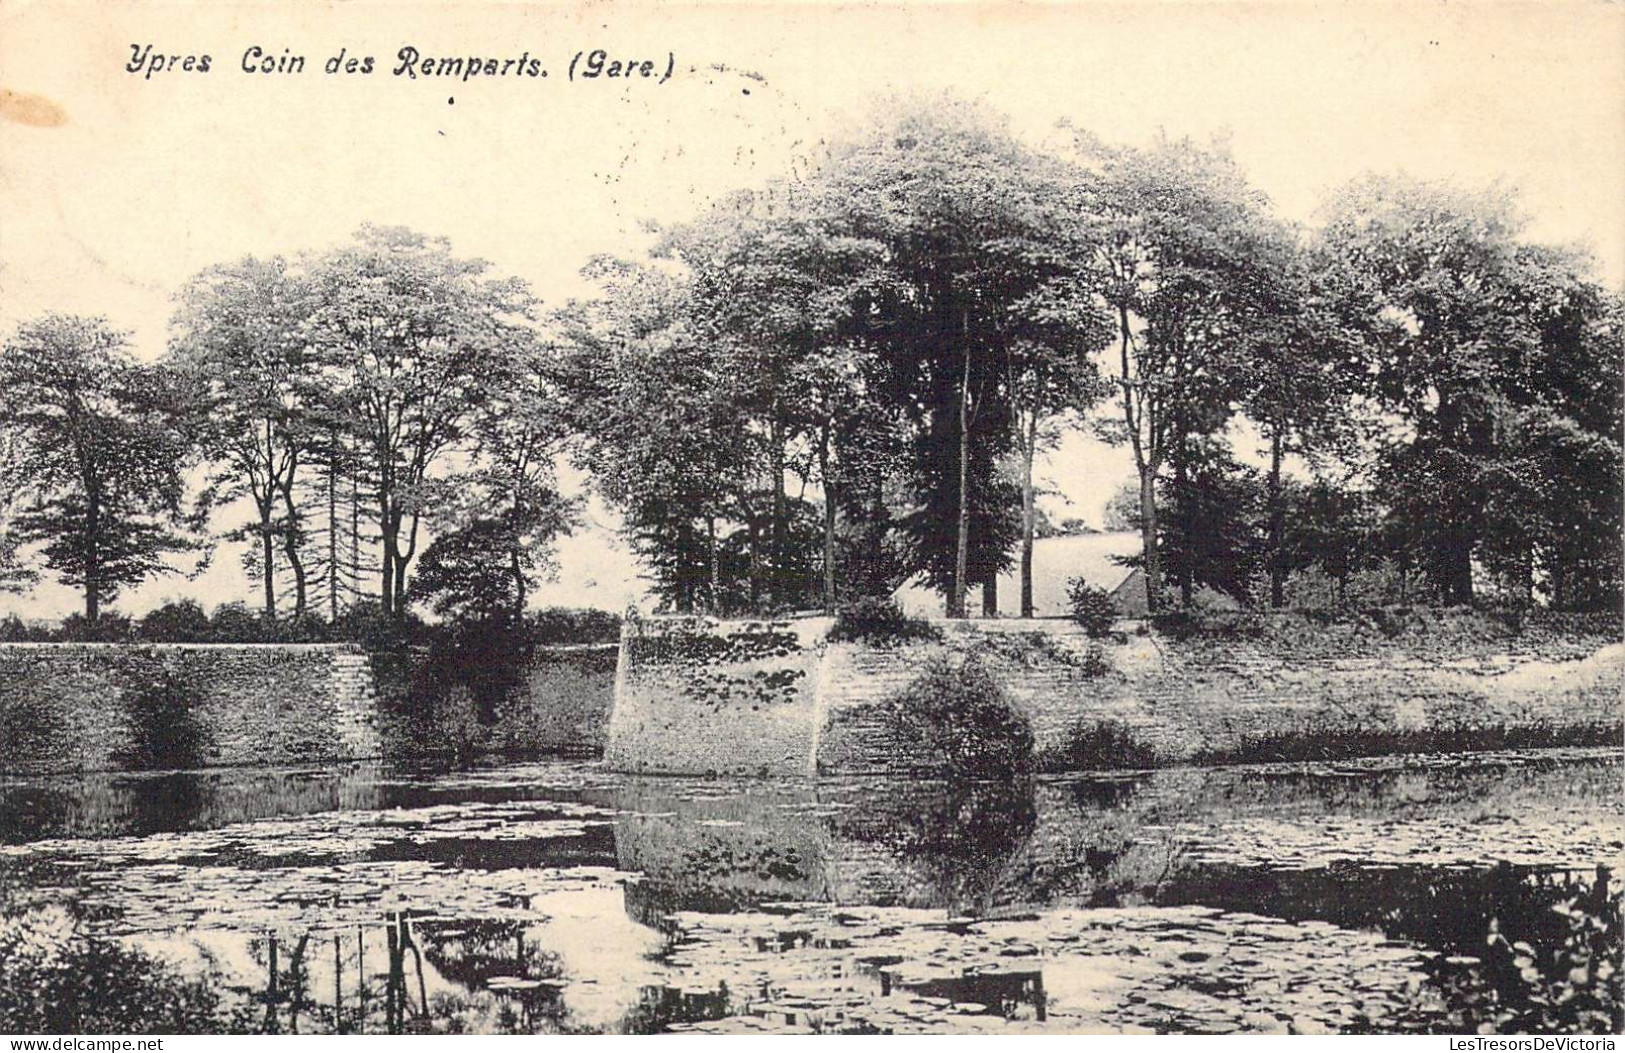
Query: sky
(117,186)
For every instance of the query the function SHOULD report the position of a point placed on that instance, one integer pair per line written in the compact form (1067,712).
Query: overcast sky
(148,180)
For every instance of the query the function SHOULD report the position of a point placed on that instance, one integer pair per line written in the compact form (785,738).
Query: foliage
(1102,745)
(55,978)
(1092,607)
(840,380)
(954,718)
(166,731)
(1489,351)
(108,627)
(100,445)
(1568,984)
(238,335)
(880,621)
(1190,262)
(411,338)
(484,569)
(564,625)
(178,621)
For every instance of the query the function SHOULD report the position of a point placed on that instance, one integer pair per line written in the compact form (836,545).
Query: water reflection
(558,897)
(920,844)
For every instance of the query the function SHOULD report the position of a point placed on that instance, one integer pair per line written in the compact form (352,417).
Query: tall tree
(659,426)
(102,443)
(1050,370)
(409,335)
(239,333)
(1303,372)
(1179,266)
(966,218)
(1486,350)
(773,288)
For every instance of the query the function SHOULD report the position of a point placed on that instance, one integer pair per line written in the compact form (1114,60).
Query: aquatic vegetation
(558,897)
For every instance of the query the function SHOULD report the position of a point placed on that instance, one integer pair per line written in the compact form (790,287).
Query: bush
(14,630)
(1565,981)
(369,625)
(880,622)
(179,621)
(564,625)
(956,719)
(167,733)
(1102,745)
(235,623)
(111,627)
(55,978)
(1092,607)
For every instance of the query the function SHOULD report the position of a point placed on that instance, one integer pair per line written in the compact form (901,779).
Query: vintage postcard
(811,518)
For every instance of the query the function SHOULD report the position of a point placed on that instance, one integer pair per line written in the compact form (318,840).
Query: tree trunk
(1187,569)
(1150,557)
(268,562)
(1277,525)
(1027,518)
(755,538)
(290,548)
(716,562)
(93,568)
(780,518)
(829,523)
(400,586)
(387,570)
(990,595)
(956,596)
(332,544)
(518,585)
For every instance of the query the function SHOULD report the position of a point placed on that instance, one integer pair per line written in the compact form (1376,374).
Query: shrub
(1099,745)
(880,622)
(1092,607)
(564,625)
(235,623)
(14,630)
(956,719)
(163,717)
(179,621)
(1565,981)
(111,627)
(369,625)
(55,978)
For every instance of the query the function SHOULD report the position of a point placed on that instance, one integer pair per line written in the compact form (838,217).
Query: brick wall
(562,705)
(696,695)
(87,707)
(686,707)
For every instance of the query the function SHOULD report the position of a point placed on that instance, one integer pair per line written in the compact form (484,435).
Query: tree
(1180,265)
(773,289)
(514,436)
(239,335)
(1122,509)
(409,337)
(101,443)
(968,224)
(1490,352)
(658,423)
(1050,370)
(1302,369)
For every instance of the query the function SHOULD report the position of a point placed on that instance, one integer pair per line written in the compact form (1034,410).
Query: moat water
(557,896)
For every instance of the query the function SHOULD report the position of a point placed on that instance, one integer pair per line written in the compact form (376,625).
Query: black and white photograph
(813,518)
